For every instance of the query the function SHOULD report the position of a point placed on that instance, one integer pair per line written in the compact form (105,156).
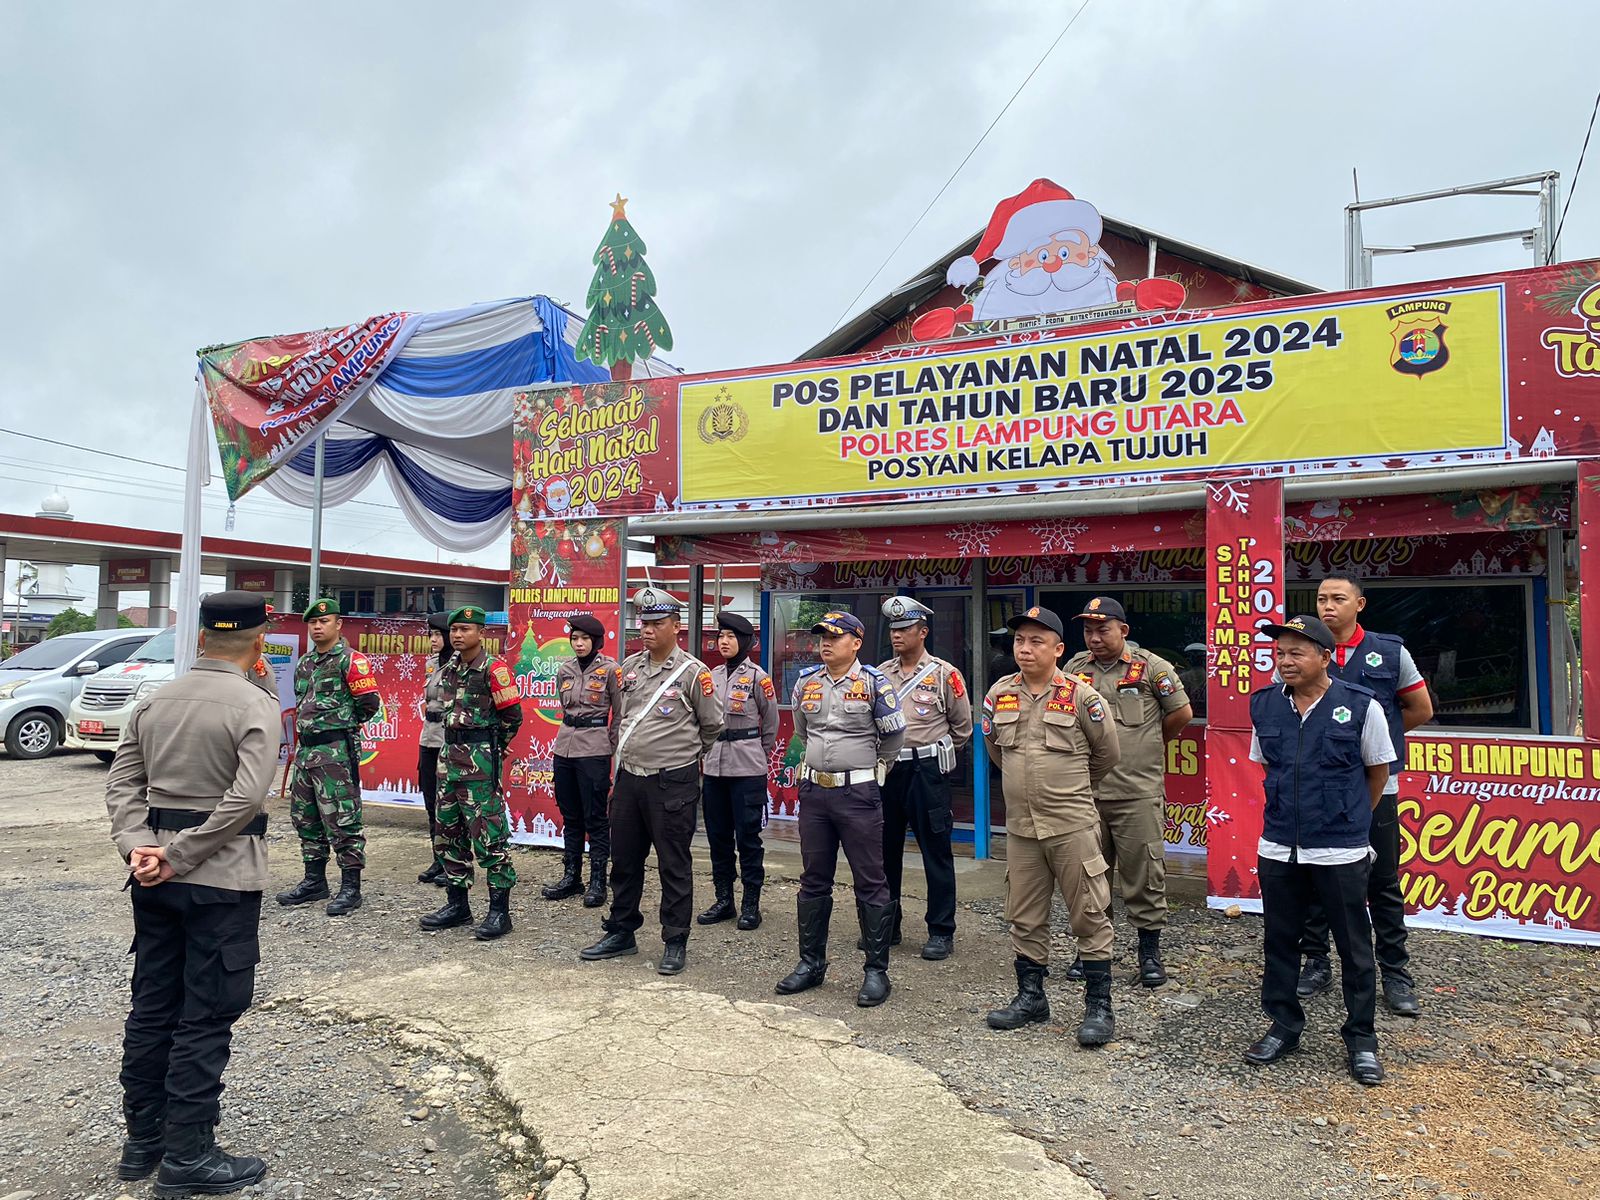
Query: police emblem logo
(1094,604)
(896,607)
(1418,335)
(1342,715)
(1096,710)
(1374,659)
(1033,612)
(723,420)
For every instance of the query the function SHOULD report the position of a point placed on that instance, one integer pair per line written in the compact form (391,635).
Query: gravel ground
(1492,1094)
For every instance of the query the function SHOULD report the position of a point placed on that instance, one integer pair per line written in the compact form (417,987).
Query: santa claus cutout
(1048,259)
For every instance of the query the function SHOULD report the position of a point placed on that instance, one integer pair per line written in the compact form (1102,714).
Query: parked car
(99,714)
(38,684)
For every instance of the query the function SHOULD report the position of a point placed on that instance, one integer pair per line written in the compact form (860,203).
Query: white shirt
(1377,749)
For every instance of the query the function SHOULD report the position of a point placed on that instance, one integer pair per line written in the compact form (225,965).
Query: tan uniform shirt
(749,701)
(940,703)
(207,741)
(850,723)
(1052,750)
(596,692)
(679,727)
(1141,688)
(432,736)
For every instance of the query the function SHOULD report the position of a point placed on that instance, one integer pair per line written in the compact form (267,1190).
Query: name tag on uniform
(857,691)
(1007,702)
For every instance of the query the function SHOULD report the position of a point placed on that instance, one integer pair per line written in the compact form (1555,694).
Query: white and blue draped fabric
(437,420)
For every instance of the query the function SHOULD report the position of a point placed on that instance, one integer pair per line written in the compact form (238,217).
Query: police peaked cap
(902,612)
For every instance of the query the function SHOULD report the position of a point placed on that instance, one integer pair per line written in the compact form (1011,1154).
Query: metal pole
(1555,617)
(316,522)
(977,666)
(697,608)
(622,591)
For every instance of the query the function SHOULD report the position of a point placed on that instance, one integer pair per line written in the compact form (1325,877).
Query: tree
(1231,885)
(70,620)
(624,323)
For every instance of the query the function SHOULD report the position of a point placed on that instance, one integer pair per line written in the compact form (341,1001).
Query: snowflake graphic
(389,627)
(1217,816)
(406,668)
(1231,495)
(973,537)
(1057,534)
(378,662)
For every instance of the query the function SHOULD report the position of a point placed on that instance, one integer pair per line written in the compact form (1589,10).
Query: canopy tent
(426,398)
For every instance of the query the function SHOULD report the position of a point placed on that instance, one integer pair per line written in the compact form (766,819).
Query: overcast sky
(174,175)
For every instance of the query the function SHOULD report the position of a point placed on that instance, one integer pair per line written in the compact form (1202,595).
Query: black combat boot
(877,927)
(434,873)
(673,956)
(614,944)
(595,895)
(813,916)
(1316,975)
(146,1141)
(750,908)
(1151,971)
(721,908)
(456,911)
(1075,971)
(497,923)
(193,1164)
(1098,1028)
(571,881)
(349,897)
(1029,1004)
(313,887)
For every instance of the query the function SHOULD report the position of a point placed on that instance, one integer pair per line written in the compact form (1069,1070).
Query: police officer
(1380,663)
(590,687)
(670,717)
(482,713)
(1055,741)
(187,794)
(1326,749)
(431,740)
(938,712)
(735,789)
(847,715)
(1150,707)
(335,694)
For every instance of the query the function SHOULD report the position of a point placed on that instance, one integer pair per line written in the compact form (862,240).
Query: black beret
(440,621)
(233,610)
(587,623)
(733,622)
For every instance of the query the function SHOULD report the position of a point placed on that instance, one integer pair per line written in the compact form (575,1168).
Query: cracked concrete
(655,1089)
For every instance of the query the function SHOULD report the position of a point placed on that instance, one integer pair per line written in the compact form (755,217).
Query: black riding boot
(456,911)
(1098,1027)
(721,908)
(571,881)
(146,1141)
(313,887)
(595,896)
(1152,972)
(498,921)
(750,908)
(1029,1004)
(193,1164)
(877,927)
(349,897)
(813,916)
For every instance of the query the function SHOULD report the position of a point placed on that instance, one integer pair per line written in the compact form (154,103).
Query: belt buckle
(825,779)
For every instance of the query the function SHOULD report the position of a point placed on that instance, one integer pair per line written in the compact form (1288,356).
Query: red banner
(128,572)
(255,581)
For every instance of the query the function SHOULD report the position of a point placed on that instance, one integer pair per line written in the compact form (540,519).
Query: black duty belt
(433,718)
(739,735)
(470,737)
(326,737)
(174,819)
(594,721)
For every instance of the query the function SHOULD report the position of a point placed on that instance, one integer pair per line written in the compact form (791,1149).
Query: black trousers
(194,971)
(735,805)
(1286,891)
(850,818)
(653,811)
(1384,901)
(583,788)
(428,780)
(916,794)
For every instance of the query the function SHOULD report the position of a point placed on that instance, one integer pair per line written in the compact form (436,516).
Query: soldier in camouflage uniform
(335,694)
(482,713)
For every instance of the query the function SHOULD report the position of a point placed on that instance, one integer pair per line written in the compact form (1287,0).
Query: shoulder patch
(1095,710)
(707,688)
(767,689)
(958,687)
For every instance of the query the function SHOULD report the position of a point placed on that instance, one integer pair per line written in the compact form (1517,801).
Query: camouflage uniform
(335,694)
(482,713)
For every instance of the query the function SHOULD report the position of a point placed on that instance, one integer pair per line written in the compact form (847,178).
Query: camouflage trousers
(325,805)
(471,815)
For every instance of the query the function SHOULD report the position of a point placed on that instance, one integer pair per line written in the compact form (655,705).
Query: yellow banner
(1388,383)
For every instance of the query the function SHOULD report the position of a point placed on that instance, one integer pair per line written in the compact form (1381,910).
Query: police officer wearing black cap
(590,687)
(187,795)
(734,791)
(1326,748)
(431,740)
(849,719)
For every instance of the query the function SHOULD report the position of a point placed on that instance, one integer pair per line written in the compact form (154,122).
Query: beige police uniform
(1141,689)
(1053,749)
(588,697)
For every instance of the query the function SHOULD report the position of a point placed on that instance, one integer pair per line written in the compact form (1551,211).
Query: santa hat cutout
(1026,220)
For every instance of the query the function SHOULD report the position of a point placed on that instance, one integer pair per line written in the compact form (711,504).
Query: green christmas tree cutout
(624,323)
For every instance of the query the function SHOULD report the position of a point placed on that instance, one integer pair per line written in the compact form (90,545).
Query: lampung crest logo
(1418,334)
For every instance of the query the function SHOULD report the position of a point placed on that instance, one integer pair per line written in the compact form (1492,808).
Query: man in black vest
(1326,749)
(1380,663)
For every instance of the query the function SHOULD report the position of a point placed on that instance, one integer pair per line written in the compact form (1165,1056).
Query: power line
(887,258)
(1573,190)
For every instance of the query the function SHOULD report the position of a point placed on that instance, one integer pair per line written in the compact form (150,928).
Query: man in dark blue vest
(1326,749)
(1380,663)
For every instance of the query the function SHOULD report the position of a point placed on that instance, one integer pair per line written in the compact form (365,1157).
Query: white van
(98,713)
